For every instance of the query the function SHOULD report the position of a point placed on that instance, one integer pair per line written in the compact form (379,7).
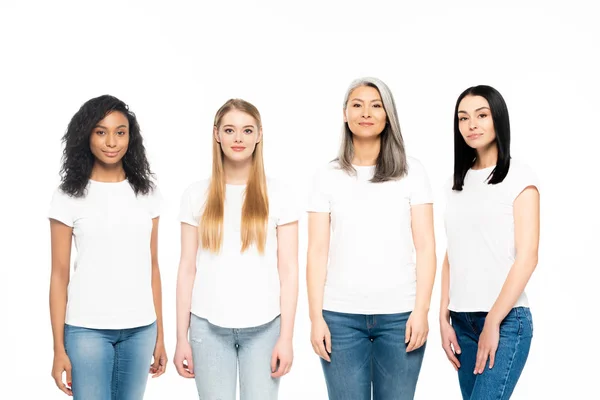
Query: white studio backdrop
(175,63)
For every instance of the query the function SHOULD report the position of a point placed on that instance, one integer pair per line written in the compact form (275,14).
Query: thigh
(467,335)
(499,382)
(214,355)
(133,356)
(91,354)
(348,375)
(395,372)
(254,353)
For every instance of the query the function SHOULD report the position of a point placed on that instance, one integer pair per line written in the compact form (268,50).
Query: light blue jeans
(218,351)
(110,364)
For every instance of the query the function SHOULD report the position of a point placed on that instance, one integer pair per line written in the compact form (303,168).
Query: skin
(108,143)
(366,118)
(475,120)
(239,129)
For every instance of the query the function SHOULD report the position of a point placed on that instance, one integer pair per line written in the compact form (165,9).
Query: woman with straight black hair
(106,315)
(492,226)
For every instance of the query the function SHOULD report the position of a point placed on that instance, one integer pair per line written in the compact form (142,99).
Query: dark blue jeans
(498,383)
(370,349)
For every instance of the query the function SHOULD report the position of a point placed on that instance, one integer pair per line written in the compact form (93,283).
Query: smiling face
(110,138)
(238,134)
(475,122)
(364,112)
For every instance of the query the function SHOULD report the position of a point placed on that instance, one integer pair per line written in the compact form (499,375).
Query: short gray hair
(391,161)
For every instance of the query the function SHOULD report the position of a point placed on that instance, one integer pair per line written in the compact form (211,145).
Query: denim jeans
(368,355)
(498,383)
(110,364)
(217,352)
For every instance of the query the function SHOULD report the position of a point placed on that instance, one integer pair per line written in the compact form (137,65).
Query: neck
(237,173)
(108,173)
(486,157)
(366,150)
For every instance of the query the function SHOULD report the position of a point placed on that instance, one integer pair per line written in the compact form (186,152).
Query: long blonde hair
(255,210)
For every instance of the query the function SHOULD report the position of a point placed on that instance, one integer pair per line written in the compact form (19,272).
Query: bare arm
(61,236)
(424,241)
(527,234)
(185,278)
(287,264)
(316,269)
(445,298)
(156,283)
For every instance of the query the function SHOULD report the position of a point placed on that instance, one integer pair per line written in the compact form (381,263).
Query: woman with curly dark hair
(107,317)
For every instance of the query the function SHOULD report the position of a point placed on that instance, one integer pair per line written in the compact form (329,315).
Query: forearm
(445,295)
(58,309)
(316,273)
(157,295)
(425,277)
(289,300)
(185,285)
(513,287)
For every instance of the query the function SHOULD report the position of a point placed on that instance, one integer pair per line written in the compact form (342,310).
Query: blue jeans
(498,383)
(110,364)
(217,351)
(369,350)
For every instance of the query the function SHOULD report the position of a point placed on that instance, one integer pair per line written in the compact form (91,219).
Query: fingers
(185,370)
(59,384)
(455,345)
(482,356)
(274,358)
(284,368)
(320,349)
(328,341)
(159,367)
(69,379)
(451,356)
(492,358)
(407,333)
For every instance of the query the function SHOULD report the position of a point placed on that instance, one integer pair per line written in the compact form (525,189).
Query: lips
(111,154)
(366,123)
(474,136)
(237,148)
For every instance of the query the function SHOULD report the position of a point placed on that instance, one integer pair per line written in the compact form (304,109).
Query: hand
(417,328)
(183,359)
(62,363)
(159,365)
(320,337)
(282,357)
(487,346)
(450,343)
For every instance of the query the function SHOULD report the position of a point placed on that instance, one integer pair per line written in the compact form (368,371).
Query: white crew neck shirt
(234,289)
(371,266)
(481,236)
(111,283)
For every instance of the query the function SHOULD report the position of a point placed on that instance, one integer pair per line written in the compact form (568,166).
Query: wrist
(421,309)
(492,319)
(316,315)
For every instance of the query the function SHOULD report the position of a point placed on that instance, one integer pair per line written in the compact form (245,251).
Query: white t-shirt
(111,284)
(371,266)
(481,236)
(234,289)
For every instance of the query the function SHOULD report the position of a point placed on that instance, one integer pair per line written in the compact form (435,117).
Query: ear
(260,133)
(344,112)
(216,134)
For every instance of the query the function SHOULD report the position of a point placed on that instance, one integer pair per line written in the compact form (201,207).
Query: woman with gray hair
(370,210)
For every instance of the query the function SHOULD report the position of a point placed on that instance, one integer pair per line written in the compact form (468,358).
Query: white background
(176,63)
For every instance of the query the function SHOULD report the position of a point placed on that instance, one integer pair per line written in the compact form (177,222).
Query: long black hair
(78,159)
(465,156)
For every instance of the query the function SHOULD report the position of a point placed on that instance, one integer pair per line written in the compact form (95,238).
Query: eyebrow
(231,126)
(479,109)
(103,127)
(362,101)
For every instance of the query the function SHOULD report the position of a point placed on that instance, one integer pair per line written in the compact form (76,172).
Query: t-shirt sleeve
(155,202)
(420,187)
(61,208)
(187,211)
(289,209)
(524,176)
(319,196)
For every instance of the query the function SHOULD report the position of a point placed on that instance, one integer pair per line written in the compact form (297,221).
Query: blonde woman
(237,284)
(368,295)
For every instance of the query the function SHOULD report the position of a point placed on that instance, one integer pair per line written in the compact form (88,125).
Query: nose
(472,123)
(366,112)
(111,140)
(238,137)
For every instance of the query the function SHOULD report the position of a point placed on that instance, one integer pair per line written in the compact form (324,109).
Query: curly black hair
(78,159)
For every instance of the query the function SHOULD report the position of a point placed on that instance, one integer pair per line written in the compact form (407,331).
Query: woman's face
(110,138)
(364,112)
(238,134)
(475,122)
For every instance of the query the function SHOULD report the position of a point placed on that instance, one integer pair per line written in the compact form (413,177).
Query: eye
(355,105)
(248,131)
(462,118)
(482,115)
(228,130)
(100,132)
(120,133)
(377,105)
